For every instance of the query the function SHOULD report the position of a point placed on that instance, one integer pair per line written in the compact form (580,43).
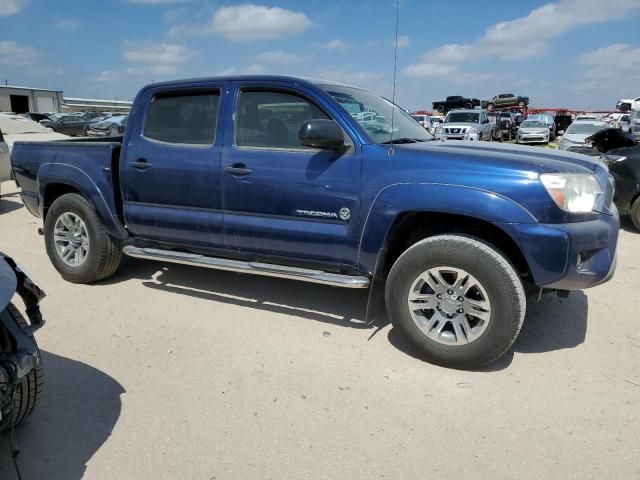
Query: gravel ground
(167,372)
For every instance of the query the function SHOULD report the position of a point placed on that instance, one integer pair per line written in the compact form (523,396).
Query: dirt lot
(170,372)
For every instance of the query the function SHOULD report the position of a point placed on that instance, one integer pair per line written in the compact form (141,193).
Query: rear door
(281,198)
(170,172)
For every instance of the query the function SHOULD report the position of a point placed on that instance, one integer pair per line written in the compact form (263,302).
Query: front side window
(272,119)
(183,118)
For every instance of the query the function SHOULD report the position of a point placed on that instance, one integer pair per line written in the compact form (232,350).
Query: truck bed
(85,163)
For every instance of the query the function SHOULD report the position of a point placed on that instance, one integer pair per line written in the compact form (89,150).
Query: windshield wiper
(402,140)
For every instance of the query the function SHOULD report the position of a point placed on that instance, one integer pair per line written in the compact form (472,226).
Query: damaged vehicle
(21,372)
(621,152)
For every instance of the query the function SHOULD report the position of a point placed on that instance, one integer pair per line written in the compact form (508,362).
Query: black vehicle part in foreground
(622,155)
(21,373)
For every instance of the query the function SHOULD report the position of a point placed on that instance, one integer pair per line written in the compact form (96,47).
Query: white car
(533,131)
(14,128)
(466,125)
(626,104)
(578,131)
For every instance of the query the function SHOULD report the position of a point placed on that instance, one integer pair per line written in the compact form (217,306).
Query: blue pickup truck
(323,182)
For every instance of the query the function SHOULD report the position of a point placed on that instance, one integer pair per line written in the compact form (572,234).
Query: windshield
(463,117)
(373,113)
(533,124)
(584,128)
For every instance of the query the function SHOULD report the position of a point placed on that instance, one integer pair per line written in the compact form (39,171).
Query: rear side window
(184,118)
(272,119)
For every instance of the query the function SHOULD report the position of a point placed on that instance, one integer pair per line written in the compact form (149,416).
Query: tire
(499,283)
(114,132)
(29,392)
(490,107)
(468,106)
(625,107)
(635,213)
(522,104)
(103,253)
(440,108)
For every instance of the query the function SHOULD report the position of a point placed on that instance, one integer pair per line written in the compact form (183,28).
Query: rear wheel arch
(52,192)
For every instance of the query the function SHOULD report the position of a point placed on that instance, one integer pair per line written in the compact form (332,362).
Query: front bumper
(532,138)
(569,256)
(460,136)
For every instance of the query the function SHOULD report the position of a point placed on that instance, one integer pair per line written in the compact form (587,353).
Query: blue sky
(575,53)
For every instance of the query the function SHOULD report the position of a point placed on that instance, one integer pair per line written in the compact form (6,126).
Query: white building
(38,100)
(24,99)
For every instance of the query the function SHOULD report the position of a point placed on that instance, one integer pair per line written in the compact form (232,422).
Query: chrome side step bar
(256,268)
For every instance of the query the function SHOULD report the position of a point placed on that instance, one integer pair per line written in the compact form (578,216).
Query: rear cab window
(183,117)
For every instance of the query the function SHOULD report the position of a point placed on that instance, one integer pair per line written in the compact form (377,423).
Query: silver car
(533,131)
(578,132)
(466,125)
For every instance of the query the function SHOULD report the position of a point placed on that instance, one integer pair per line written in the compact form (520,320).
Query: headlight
(473,130)
(572,192)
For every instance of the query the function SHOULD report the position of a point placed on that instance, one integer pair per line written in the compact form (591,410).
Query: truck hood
(517,157)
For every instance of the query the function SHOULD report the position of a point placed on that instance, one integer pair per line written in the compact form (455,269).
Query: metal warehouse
(25,99)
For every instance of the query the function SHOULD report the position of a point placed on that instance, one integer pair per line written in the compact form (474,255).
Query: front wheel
(29,390)
(77,242)
(457,300)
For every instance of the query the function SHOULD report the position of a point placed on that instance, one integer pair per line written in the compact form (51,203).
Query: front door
(281,198)
(170,173)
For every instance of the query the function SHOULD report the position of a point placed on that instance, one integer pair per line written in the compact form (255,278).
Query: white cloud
(13,54)
(248,23)
(68,24)
(280,57)
(615,68)
(533,34)
(403,41)
(335,44)
(158,58)
(11,7)
(253,69)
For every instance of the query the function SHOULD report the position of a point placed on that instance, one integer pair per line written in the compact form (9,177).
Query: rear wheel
(77,242)
(635,213)
(468,106)
(29,391)
(457,300)
(522,104)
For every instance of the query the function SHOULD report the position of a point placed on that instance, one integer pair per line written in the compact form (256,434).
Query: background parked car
(634,123)
(494,121)
(551,123)
(533,131)
(505,100)
(626,104)
(562,121)
(69,124)
(466,125)
(508,124)
(456,101)
(622,155)
(109,127)
(36,117)
(578,132)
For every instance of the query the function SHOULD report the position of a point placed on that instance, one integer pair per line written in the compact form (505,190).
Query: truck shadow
(76,415)
(551,324)
(627,225)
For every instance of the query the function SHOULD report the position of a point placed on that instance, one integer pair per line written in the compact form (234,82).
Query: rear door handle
(238,170)
(141,164)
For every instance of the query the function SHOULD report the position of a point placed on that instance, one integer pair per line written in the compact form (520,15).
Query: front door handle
(238,170)
(141,164)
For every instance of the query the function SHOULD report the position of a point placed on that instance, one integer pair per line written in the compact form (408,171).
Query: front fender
(397,199)
(101,196)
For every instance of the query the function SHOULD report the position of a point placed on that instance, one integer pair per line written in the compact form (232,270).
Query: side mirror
(325,134)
